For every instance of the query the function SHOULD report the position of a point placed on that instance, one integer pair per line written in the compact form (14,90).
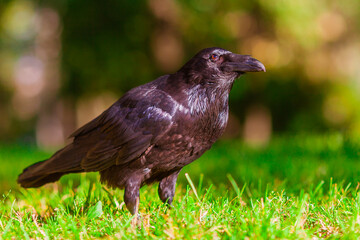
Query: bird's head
(217,65)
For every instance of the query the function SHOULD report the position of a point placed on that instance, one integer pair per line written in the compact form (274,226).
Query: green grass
(298,187)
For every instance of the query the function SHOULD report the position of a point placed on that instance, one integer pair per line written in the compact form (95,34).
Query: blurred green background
(63,62)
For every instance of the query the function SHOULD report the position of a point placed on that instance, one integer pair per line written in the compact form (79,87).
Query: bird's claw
(136,221)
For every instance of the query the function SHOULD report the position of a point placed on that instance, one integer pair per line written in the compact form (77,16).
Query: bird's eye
(214,57)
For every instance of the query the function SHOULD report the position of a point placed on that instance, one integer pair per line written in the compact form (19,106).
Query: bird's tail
(31,178)
(65,161)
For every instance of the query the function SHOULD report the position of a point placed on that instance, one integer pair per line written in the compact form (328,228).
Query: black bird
(154,130)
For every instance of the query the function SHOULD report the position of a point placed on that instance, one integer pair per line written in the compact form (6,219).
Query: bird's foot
(136,221)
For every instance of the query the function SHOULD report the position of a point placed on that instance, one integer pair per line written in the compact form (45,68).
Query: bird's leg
(132,197)
(167,188)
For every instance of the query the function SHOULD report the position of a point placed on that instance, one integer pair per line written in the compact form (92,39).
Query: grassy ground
(298,187)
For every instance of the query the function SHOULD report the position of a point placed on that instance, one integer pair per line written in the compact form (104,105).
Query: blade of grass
(239,192)
(192,186)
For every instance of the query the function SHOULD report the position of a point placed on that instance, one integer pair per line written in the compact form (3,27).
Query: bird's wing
(126,130)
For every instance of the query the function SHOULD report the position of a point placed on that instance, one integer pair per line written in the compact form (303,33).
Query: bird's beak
(241,63)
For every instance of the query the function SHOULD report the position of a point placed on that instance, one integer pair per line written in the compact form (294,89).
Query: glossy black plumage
(154,130)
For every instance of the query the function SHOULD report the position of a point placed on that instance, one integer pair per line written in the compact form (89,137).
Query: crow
(153,130)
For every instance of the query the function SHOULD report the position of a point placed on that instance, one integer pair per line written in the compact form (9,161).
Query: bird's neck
(200,95)
(203,100)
